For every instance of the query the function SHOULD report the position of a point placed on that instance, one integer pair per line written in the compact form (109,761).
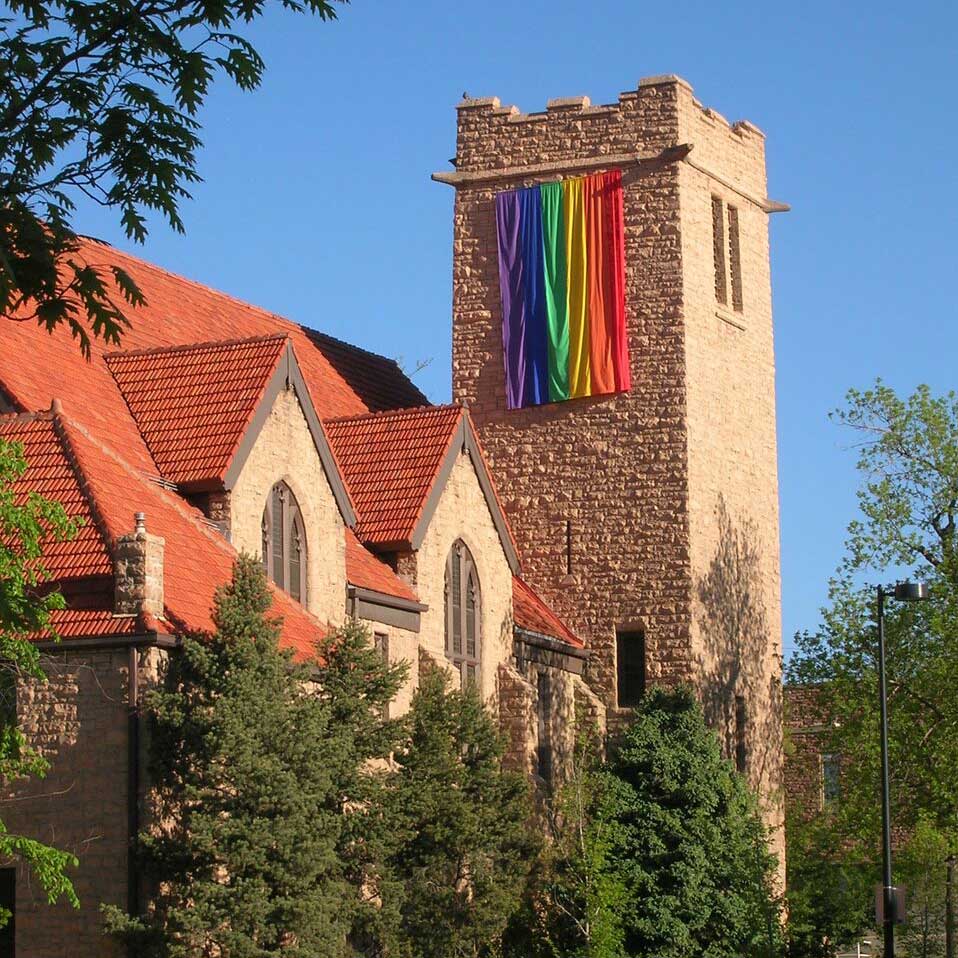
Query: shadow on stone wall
(733,625)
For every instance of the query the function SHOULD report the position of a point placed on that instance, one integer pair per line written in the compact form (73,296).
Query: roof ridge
(192,282)
(401,411)
(310,332)
(86,488)
(33,415)
(185,347)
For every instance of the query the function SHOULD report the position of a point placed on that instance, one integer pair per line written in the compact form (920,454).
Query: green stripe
(557,319)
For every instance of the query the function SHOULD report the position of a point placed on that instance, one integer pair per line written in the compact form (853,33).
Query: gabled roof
(396,464)
(106,492)
(200,408)
(390,461)
(51,474)
(192,404)
(531,614)
(36,365)
(363,569)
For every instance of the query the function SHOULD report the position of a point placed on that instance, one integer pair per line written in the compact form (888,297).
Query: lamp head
(911,591)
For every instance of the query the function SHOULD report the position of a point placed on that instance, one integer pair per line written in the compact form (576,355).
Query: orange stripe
(601,366)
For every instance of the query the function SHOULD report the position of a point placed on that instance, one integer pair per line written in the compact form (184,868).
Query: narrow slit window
(285,553)
(277,519)
(630,668)
(381,644)
(544,717)
(295,561)
(831,779)
(734,259)
(463,613)
(718,251)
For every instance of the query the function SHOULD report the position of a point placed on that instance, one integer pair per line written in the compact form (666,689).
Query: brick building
(558,556)
(812,774)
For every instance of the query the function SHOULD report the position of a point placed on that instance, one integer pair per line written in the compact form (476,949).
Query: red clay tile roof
(389,462)
(97,484)
(51,474)
(532,614)
(372,377)
(36,366)
(363,569)
(192,404)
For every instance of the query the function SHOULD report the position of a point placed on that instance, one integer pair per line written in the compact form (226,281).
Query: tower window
(463,613)
(544,717)
(831,779)
(718,251)
(630,668)
(284,542)
(726,254)
(734,259)
(741,732)
(381,644)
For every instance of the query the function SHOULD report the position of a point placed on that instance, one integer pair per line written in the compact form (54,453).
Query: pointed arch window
(284,542)
(463,613)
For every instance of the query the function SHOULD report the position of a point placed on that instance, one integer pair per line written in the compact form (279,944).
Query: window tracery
(284,542)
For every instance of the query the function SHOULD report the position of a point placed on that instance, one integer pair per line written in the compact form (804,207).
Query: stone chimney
(138,571)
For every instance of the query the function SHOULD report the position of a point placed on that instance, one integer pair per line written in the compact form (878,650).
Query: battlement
(660,121)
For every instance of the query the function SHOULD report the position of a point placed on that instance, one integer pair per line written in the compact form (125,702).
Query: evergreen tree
(689,844)
(460,823)
(575,899)
(252,768)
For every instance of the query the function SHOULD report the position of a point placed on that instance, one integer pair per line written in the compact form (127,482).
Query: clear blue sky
(317,201)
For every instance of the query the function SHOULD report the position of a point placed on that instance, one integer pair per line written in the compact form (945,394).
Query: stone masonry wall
(666,485)
(402,646)
(78,720)
(803,752)
(462,513)
(732,462)
(285,451)
(612,467)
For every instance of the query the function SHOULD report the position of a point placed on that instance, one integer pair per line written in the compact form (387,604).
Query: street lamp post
(903,592)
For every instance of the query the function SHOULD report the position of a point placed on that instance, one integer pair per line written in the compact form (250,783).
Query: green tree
(462,838)
(908,499)
(922,864)
(830,888)
(27,522)
(99,99)
(689,843)
(253,768)
(576,896)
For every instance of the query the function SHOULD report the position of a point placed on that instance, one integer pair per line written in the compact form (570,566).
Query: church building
(596,510)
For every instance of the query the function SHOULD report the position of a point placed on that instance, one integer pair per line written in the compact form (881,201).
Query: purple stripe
(536,332)
(512,290)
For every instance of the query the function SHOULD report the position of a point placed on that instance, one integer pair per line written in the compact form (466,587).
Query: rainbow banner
(562,280)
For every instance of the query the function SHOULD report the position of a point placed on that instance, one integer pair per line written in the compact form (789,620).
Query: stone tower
(649,519)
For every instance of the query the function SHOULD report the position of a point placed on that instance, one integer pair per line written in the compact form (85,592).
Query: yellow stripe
(577,288)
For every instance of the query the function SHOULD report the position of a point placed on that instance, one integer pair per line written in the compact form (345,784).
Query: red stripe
(614,277)
(601,368)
